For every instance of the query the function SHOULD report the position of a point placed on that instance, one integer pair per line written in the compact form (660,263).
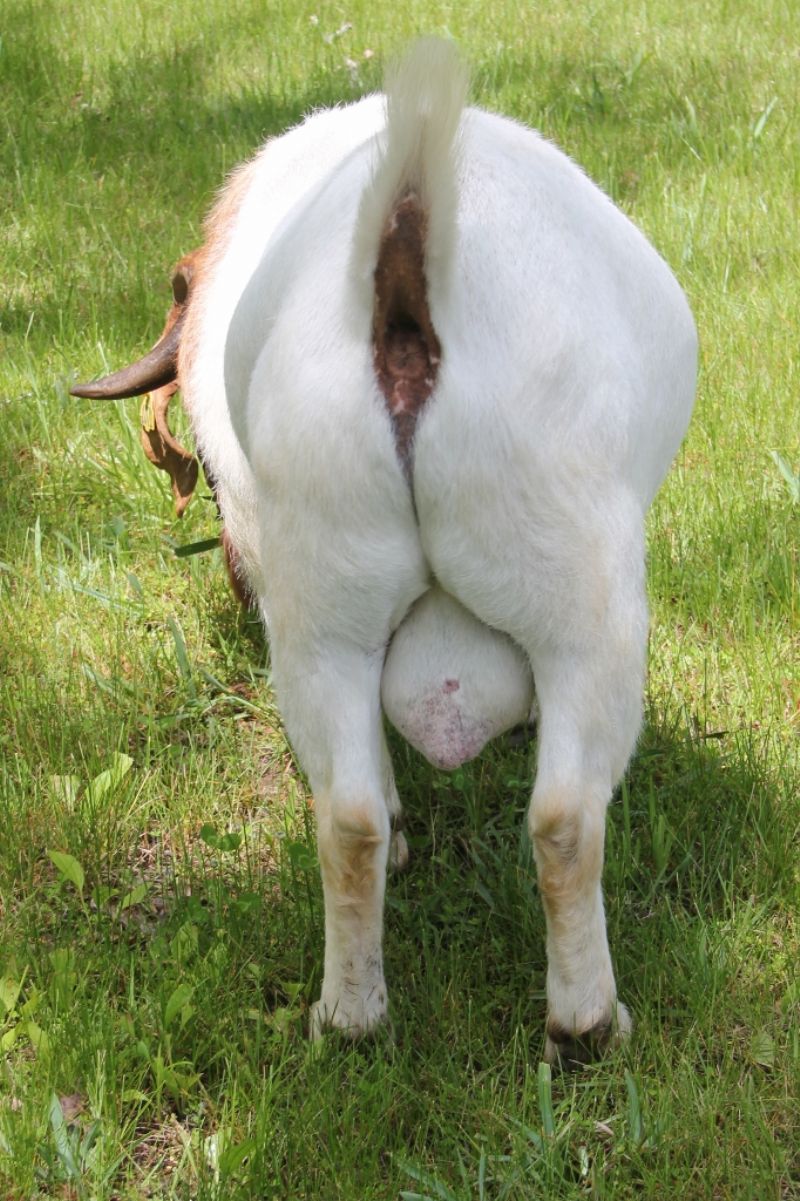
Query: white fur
(565,386)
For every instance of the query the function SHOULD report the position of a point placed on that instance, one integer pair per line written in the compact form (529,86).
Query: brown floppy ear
(164,450)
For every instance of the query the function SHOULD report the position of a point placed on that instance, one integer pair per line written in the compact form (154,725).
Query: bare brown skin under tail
(406,349)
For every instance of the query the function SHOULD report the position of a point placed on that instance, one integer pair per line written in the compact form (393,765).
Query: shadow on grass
(697,834)
(155,113)
(699,828)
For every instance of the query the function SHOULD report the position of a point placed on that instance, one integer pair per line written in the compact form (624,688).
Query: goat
(438,378)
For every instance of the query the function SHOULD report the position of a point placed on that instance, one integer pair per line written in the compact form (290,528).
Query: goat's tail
(406,227)
(425,96)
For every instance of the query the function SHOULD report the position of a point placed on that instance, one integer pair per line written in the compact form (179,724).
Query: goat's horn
(158,367)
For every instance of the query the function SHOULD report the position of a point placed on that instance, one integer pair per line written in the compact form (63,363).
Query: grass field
(160,906)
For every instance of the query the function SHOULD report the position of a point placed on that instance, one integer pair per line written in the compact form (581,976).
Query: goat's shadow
(693,829)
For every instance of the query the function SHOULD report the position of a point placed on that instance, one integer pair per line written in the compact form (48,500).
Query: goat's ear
(156,369)
(183,278)
(164,450)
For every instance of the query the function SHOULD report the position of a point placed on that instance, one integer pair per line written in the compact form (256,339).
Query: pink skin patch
(445,735)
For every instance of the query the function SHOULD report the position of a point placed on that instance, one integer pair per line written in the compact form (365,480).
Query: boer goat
(437,378)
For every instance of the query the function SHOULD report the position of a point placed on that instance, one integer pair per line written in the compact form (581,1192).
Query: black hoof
(571,1051)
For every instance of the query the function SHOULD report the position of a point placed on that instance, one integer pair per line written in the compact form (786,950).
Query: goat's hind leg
(329,698)
(590,710)
(576,605)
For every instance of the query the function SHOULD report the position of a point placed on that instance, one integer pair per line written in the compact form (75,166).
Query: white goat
(437,378)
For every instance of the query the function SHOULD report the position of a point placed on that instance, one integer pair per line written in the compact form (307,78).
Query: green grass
(154,986)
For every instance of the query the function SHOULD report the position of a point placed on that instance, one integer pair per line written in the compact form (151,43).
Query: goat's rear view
(437,378)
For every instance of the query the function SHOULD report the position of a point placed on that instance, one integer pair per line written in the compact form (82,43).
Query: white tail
(425,96)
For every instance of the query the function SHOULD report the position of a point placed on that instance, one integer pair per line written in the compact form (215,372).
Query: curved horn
(158,367)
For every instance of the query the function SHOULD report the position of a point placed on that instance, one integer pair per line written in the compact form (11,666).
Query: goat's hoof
(398,852)
(353,1026)
(570,1050)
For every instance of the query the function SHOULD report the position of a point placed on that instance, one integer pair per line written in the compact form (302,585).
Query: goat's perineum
(405,346)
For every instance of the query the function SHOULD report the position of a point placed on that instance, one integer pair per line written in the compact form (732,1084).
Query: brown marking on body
(358,877)
(218,228)
(236,577)
(406,349)
(558,845)
(568,846)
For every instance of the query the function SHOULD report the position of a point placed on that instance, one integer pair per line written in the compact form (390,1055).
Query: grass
(160,907)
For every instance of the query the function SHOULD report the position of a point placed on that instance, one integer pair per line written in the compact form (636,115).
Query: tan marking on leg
(347,855)
(569,851)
